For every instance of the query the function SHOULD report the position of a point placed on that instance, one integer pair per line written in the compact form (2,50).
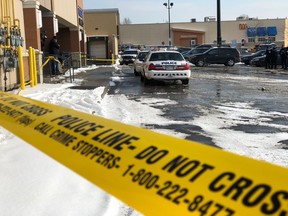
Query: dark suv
(218,55)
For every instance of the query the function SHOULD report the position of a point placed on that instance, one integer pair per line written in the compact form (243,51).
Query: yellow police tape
(153,173)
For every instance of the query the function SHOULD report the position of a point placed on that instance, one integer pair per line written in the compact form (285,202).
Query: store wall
(67,10)
(146,34)
(101,22)
(152,34)
(46,4)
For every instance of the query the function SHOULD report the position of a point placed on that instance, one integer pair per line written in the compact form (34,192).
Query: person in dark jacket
(268,58)
(43,39)
(54,50)
(283,54)
(274,57)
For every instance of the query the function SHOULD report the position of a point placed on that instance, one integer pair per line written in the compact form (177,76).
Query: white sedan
(138,63)
(165,65)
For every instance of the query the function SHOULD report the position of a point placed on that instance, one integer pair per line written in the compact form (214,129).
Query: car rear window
(142,55)
(131,52)
(166,56)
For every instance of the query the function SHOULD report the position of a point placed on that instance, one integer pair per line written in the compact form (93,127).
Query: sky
(153,11)
(33,184)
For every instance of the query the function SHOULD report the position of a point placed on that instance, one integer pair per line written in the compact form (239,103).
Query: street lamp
(169,6)
(219,38)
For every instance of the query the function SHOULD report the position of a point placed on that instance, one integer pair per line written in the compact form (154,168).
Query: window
(251,39)
(213,52)
(262,39)
(131,52)
(271,39)
(166,56)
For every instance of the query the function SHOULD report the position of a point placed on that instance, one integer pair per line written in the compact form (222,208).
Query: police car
(165,65)
(129,56)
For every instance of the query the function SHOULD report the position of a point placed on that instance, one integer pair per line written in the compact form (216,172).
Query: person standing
(43,38)
(283,54)
(274,58)
(268,58)
(54,50)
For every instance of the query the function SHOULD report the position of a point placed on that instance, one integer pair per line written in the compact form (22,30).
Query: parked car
(194,51)
(261,61)
(138,63)
(265,46)
(207,46)
(128,56)
(247,58)
(183,49)
(244,51)
(165,65)
(218,55)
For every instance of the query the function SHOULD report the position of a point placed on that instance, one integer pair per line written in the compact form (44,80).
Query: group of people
(54,50)
(272,57)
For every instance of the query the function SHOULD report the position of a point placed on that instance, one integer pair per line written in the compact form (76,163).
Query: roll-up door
(97,49)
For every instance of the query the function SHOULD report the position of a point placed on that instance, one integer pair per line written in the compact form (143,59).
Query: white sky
(151,11)
(32,184)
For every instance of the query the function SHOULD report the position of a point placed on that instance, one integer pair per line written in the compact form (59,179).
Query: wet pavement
(266,90)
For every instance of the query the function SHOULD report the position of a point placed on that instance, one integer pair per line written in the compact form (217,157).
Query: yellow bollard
(31,67)
(34,68)
(21,68)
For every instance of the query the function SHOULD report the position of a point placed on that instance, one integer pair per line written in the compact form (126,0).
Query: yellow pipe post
(7,8)
(21,68)
(2,11)
(31,67)
(13,12)
(34,68)
(112,58)
(8,22)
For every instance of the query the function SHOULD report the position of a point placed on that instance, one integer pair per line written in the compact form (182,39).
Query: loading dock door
(97,49)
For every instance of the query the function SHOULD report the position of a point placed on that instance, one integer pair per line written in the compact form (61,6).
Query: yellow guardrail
(154,173)
(50,58)
(112,60)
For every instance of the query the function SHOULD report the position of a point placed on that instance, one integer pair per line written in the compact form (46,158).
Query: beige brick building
(250,32)
(105,33)
(102,29)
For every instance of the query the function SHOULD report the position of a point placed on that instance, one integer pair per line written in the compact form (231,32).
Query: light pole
(169,6)
(219,38)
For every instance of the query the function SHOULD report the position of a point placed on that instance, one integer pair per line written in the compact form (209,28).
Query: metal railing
(65,62)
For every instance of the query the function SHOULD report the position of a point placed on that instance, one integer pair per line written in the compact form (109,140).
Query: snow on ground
(218,121)
(34,185)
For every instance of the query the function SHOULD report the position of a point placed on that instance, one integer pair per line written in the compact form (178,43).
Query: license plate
(169,67)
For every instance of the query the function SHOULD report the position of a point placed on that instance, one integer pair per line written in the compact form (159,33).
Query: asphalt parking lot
(264,89)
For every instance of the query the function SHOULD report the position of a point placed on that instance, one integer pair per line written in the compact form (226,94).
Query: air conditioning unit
(209,18)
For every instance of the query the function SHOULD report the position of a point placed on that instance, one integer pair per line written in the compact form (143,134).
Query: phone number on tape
(177,194)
